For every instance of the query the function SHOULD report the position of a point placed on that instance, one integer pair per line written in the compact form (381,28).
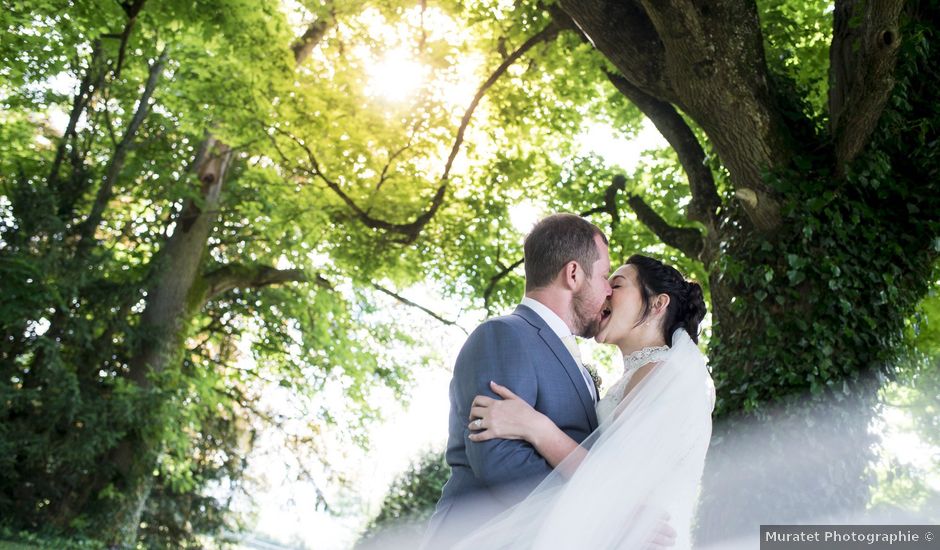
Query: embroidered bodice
(631,363)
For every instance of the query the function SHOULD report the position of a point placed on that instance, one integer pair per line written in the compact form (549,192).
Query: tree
(410,500)
(802,296)
(138,247)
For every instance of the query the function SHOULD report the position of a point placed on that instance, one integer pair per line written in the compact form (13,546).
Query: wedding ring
(478,423)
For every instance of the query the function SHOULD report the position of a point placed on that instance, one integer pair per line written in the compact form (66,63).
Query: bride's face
(623,309)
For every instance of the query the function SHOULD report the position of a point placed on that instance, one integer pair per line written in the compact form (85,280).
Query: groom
(533,352)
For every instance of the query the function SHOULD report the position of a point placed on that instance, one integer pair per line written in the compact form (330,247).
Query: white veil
(644,461)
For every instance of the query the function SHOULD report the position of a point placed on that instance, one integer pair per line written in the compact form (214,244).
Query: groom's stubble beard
(587,321)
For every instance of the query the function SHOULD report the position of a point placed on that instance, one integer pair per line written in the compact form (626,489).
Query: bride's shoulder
(639,374)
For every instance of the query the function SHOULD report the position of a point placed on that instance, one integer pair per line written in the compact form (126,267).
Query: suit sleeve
(496,352)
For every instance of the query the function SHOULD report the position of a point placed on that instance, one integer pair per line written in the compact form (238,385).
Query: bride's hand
(506,418)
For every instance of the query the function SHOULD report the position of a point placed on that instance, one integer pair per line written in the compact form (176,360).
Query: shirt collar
(551,318)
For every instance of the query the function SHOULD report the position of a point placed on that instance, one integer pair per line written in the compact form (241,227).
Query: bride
(642,466)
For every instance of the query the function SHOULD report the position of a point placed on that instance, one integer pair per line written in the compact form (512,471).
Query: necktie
(572,344)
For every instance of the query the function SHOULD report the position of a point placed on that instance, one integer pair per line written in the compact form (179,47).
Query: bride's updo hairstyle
(686,303)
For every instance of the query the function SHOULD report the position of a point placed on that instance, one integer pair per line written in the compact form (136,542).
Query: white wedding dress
(643,463)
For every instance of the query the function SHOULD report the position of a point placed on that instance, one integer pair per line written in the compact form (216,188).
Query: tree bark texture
(708,61)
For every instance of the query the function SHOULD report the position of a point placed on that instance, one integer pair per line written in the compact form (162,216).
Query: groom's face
(587,304)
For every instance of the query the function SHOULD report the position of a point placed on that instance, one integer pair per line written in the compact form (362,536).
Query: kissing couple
(538,459)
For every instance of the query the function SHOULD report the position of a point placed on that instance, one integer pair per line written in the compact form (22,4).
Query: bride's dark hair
(686,301)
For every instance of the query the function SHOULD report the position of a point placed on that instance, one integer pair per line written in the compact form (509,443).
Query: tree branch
(707,59)
(304,45)
(705,200)
(546,34)
(617,184)
(87,228)
(409,303)
(231,276)
(687,240)
(862,60)
(495,279)
(109,124)
(624,33)
(385,176)
(409,231)
(132,9)
(91,84)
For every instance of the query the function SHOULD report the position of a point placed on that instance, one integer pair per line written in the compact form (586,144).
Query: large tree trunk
(671,51)
(168,309)
(177,267)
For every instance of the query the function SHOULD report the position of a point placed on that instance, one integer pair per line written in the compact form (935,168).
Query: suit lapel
(564,359)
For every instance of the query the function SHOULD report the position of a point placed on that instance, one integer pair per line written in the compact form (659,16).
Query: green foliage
(816,315)
(852,300)
(923,329)
(411,498)
(914,398)
(797,35)
(917,388)
(71,310)
(25,540)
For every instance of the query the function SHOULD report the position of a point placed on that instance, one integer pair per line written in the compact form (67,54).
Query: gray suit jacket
(519,351)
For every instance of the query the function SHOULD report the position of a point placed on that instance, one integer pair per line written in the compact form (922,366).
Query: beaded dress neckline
(637,359)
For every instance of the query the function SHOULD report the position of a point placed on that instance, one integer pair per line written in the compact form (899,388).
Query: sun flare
(396,76)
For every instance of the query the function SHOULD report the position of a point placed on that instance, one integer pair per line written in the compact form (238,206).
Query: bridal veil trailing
(644,463)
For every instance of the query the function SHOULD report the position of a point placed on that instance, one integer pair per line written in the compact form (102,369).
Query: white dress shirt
(560,328)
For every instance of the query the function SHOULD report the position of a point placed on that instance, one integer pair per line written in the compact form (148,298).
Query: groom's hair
(555,241)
